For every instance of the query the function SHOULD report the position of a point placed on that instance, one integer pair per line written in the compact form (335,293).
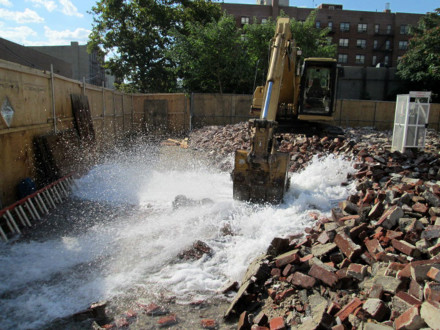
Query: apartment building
(363,38)
(84,65)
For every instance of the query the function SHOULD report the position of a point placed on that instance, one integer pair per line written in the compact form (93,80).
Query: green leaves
(135,37)
(420,66)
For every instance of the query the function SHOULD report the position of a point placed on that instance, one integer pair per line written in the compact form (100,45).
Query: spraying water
(123,233)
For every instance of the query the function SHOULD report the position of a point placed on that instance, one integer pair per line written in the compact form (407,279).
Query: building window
(331,7)
(361,43)
(387,44)
(362,27)
(386,60)
(360,59)
(329,40)
(244,20)
(404,29)
(399,58)
(403,45)
(330,25)
(374,60)
(318,24)
(344,27)
(263,20)
(342,58)
(343,42)
(376,28)
(389,29)
(374,44)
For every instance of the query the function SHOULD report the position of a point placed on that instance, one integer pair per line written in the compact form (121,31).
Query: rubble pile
(374,264)
(223,140)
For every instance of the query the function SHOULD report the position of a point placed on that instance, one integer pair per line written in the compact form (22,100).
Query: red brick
(259,327)
(416,290)
(420,208)
(277,323)
(287,270)
(303,281)
(323,238)
(419,269)
(376,210)
(306,258)
(243,321)
(323,275)
(432,291)
(275,272)
(389,217)
(404,247)
(376,308)
(168,320)
(355,231)
(434,274)
(283,295)
(287,258)
(410,319)
(408,298)
(357,271)
(347,246)
(373,246)
(343,314)
(434,250)
(208,324)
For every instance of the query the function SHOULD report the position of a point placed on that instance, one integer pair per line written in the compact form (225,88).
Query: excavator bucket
(260,181)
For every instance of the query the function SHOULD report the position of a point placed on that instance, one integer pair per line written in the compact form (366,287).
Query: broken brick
(404,247)
(287,258)
(432,291)
(376,308)
(323,275)
(343,314)
(347,246)
(410,319)
(277,323)
(303,281)
(357,271)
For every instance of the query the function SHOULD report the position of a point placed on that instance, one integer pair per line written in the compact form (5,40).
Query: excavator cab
(317,88)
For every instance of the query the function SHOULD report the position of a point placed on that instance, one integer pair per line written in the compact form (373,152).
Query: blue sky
(58,22)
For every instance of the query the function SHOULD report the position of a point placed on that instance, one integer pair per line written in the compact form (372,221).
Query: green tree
(134,36)
(420,66)
(313,41)
(211,57)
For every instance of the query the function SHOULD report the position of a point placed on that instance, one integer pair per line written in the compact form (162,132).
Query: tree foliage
(420,66)
(210,57)
(170,45)
(218,57)
(313,41)
(134,36)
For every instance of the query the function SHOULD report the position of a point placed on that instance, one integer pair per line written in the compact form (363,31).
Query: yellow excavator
(295,95)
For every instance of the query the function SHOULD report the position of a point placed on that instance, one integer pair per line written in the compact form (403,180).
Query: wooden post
(54,115)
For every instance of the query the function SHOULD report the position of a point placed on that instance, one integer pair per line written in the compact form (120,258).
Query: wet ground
(118,239)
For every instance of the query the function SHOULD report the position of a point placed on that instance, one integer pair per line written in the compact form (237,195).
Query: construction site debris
(374,261)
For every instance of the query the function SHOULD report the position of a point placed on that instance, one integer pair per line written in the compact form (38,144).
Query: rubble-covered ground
(373,264)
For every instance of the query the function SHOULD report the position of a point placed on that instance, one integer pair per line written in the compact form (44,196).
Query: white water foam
(40,281)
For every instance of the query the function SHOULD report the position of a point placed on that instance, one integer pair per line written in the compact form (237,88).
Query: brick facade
(364,38)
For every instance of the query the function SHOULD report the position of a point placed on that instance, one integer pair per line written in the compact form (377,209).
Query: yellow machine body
(291,93)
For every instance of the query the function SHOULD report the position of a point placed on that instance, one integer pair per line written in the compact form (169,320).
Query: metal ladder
(34,206)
